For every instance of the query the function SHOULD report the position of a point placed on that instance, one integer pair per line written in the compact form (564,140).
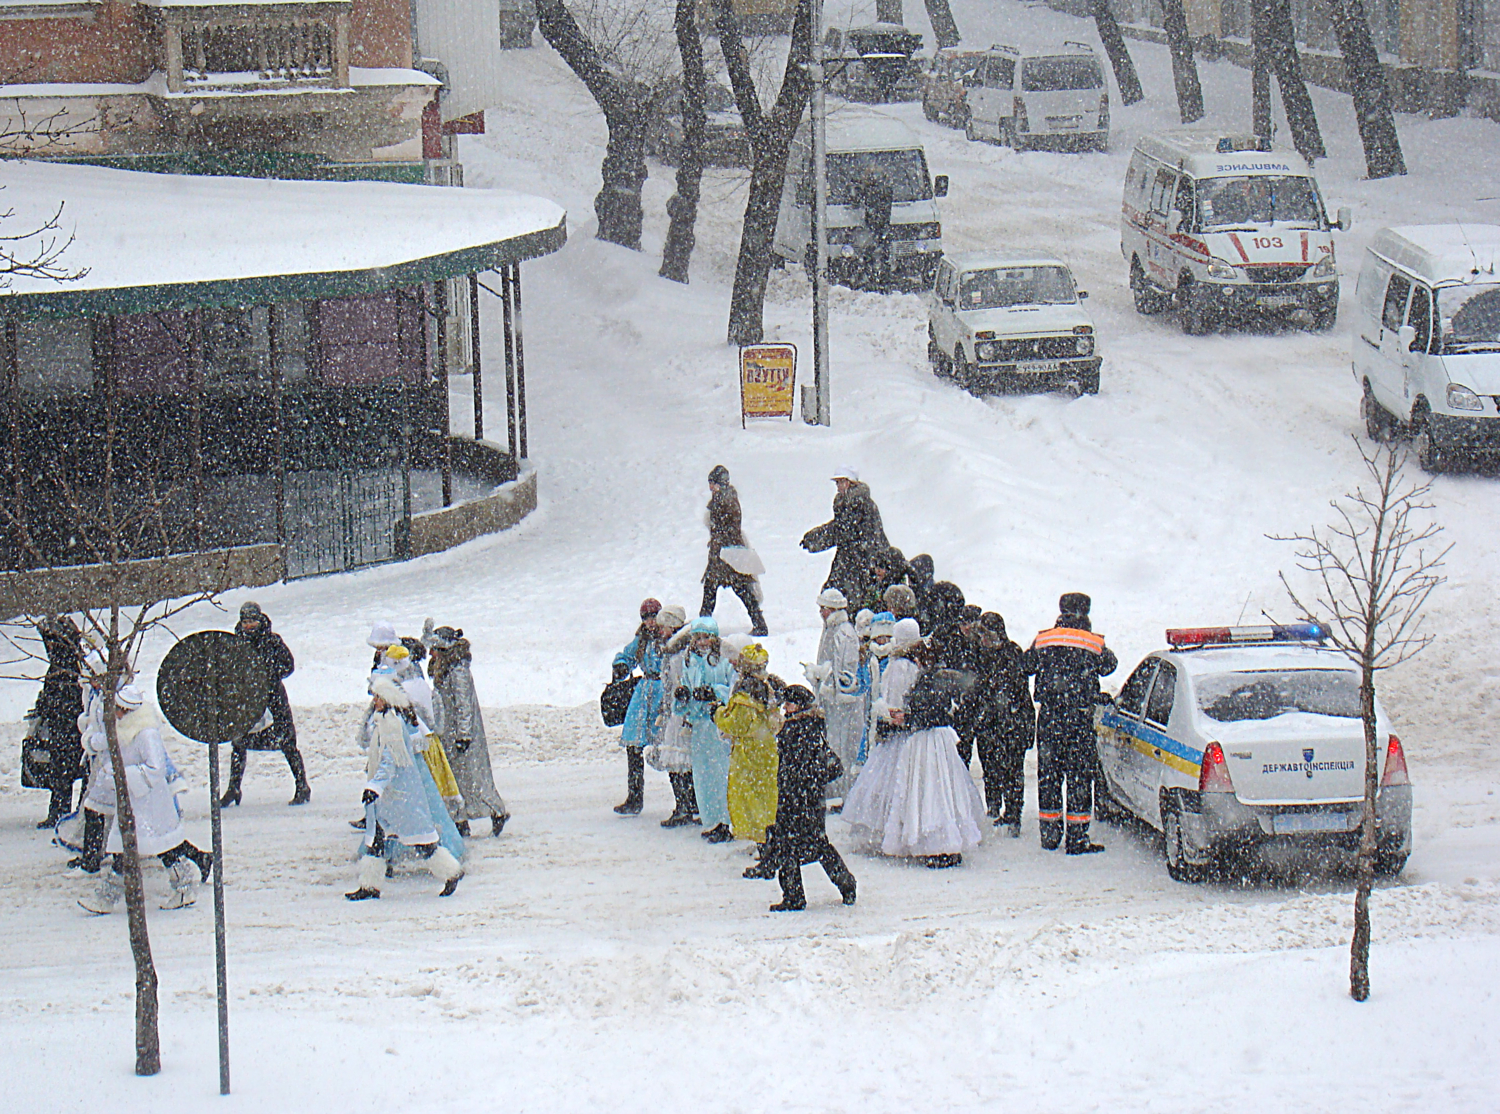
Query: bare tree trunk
(1184,68)
(682,208)
(944,26)
(770,137)
(626,106)
(889,11)
(1294,96)
(1119,53)
(1260,72)
(1359,944)
(1367,84)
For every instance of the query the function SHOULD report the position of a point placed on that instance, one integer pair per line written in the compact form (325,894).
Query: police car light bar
(1234,636)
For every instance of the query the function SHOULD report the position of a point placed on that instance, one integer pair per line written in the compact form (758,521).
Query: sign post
(768,377)
(213,687)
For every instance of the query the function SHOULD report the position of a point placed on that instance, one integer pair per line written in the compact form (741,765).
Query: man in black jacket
(802,773)
(855,534)
(724,529)
(58,707)
(1000,718)
(1067,662)
(255,627)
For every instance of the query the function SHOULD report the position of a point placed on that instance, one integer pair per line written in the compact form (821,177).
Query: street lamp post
(819,415)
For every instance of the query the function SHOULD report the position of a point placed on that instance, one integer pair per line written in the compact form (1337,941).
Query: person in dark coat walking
(805,766)
(58,708)
(855,534)
(281,734)
(1000,721)
(1067,662)
(724,529)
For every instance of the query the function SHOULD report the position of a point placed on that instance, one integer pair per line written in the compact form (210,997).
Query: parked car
(1027,99)
(1224,230)
(877,64)
(1426,341)
(884,231)
(1236,739)
(946,84)
(1001,321)
(724,139)
(517,21)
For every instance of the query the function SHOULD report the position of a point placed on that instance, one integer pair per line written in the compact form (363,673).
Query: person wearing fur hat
(800,836)
(642,652)
(671,751)
(406,665)
(725,529)
(900,601)
(1067,662)
(855,534)
(749,721)
(397,802)
(153,785)
(281,732)
(704,686)
(1001,719)
(868,804)
(460,726)
(835,683)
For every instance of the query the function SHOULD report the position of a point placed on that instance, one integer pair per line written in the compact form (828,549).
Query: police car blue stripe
(1147,734)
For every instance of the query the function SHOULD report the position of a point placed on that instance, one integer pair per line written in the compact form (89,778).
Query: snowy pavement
(590,961)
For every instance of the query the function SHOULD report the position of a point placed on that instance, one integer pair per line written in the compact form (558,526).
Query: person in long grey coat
(460,726)
(834,679)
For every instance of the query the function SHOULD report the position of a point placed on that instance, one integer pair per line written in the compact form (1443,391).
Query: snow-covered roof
(985,260)
(1197,152)
(162,241)
(1267,657)
(360,77)
(862,129)
(1442,252)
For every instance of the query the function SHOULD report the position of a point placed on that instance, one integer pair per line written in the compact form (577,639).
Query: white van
(883,225)
(1426,344)
(1027,99)
(1224,230)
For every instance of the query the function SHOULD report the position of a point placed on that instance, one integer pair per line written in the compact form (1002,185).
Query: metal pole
(221,966)
(510,364)
(820,222)
(474,348)
(445,447)
(520,365)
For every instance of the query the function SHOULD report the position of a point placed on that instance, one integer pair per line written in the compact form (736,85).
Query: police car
(1235,738)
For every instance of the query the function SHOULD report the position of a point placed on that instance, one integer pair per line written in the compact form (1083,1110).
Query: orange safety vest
(1068,636)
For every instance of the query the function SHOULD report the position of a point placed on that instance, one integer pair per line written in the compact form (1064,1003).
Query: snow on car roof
(1251,658)
(989,260)
(1441,252)
(861,129)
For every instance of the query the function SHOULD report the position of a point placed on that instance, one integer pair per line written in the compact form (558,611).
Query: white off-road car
(1006,322)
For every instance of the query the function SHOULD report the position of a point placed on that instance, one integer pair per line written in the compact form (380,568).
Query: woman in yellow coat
(750,721)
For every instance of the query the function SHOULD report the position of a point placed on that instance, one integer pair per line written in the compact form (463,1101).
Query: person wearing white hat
(855,534)
(835,684)
(671,751)
(153,786)
(868,805)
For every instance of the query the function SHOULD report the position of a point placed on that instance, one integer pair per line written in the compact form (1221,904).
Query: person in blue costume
(705,684)
(401,800)
(643,652)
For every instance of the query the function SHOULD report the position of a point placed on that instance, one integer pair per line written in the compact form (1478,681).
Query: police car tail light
(1229,636)
(1213,775)
(1395,765)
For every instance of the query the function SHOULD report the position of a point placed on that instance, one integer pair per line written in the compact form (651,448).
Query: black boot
(237,755)
(1078,842)
(497,823)
(768,856)
(635,783)
(793,899)
(95,828)
(719,833)
(60,806)
(303,792)
(203,860)
(1051,834)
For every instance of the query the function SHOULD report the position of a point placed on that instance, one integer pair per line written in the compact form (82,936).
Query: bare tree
(622,53)
(770,134)
(682,207)
(1367,84)
(944,26)
(1372,571)
(1119,53)
(36,251)
(1273,38)
(1184,67)
(126,534)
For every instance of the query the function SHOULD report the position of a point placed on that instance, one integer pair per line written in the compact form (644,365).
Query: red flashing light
(1395,765)
(1231,636)
(1213,775)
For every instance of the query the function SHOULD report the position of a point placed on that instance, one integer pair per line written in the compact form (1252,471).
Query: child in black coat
(806,766)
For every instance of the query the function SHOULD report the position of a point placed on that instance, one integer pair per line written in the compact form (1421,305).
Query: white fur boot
(371,871)
(183,874)
(445,869)
(107,893)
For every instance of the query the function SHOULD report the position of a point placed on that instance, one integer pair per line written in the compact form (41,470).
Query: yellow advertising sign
(768,374)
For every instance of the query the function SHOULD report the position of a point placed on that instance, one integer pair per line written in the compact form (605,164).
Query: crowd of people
(909,684)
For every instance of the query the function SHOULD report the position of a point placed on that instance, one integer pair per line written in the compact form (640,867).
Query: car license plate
(1042,368)
(1064,121)
(1311,822)
(1277,301)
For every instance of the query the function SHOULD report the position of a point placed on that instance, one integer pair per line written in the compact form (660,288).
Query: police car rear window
(1231,697)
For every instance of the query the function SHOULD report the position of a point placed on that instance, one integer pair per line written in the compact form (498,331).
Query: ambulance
(1237,740)
(1223,230)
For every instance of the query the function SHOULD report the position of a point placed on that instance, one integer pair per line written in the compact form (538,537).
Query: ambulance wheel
(1196,310)
(1380,423)
(1325,319)
(1147,300)
(1433,459)
(1178,868)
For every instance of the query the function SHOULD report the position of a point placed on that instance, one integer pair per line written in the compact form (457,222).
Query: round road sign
(212,686)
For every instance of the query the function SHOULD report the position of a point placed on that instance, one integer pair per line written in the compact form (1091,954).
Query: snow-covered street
(591,961)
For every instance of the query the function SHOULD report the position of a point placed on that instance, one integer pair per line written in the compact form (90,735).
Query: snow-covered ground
(590,961)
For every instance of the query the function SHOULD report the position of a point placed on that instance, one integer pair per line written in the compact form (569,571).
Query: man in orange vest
(1067,662)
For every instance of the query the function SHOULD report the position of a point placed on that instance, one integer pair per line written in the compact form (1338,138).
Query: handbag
(614,701)
(36,762)
(742,559)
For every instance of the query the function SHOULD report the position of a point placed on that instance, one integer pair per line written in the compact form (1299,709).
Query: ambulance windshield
(1230,697)
(1016,286)
(1470,317)
(1244,204)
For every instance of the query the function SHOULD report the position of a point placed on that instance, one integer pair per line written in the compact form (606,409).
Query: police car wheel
(1178,868)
